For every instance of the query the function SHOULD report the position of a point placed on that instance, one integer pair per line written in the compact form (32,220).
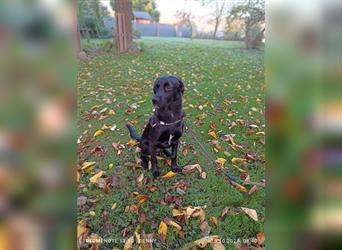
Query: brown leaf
(253,190)
(115,180)
(260,238)
(81,200)
(214,220)
(250,212)
(205,228)
(146,241)
(142,218)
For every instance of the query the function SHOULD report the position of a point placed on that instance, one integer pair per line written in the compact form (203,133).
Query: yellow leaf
(238,160)
(110,165)
(212,134)
(132,142)
(162,230)
(81,228)
(111,112)
(169,174)
(96,177)
(88,164)
(250,212)
(98,132)
(176,212)
(114,205)
(129,243)
(78,177)
(220,161)
(92,213)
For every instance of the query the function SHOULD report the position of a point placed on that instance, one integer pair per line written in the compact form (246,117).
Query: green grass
(228,82)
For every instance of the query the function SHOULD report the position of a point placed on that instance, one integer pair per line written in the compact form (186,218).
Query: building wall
(150,29)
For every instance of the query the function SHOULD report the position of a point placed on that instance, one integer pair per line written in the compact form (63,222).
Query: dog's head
(167,90)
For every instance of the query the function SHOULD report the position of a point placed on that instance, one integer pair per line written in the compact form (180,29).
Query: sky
(168,9)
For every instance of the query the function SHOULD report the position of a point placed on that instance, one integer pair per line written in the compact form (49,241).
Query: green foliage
(252,12)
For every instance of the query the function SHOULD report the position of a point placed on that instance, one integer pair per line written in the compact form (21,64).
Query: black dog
(166,125)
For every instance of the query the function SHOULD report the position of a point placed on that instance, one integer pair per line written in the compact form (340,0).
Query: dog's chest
(168,136)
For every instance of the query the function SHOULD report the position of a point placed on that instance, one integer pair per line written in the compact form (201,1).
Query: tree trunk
(123,16)
(216,27)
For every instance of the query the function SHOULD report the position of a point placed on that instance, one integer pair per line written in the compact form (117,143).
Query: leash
(207,154)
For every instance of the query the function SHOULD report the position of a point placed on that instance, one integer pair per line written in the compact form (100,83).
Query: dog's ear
(181,85)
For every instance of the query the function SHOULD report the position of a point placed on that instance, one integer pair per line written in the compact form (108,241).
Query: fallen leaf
(205,228)
(98,133)
(169,174)
(170,222)
(95,241)
(111,112)
(237,160)
(253,190)
(114,205)
(81,228)
(129,243)
(191,168)
(214,220)
(132,142)
(162,230)
(92,213)
(95,177)
(81,200)
(146,241)
(220,161)
(250,212)
(176,212)
(152,188)
(217,245)
(203,175)
(142,198)
(88,164)
(140,179)
(260,238)
(238,186)
(212,134)
(203,242)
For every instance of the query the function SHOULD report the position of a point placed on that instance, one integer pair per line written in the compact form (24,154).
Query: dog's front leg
(155,170)
(174,166)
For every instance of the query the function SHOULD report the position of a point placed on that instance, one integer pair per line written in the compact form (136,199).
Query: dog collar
(165,123)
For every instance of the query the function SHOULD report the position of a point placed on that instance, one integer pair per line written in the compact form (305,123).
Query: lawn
(224,105)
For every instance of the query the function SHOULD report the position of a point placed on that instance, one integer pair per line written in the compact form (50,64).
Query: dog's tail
(132,133)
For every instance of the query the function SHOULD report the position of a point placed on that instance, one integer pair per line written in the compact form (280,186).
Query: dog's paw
(156,173)
(176,169)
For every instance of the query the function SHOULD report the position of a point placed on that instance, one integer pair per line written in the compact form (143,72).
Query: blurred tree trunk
(123,17)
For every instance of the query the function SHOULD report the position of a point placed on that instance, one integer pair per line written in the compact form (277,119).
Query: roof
(142,15)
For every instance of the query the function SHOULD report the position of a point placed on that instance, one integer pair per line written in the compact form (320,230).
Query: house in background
(142,17)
